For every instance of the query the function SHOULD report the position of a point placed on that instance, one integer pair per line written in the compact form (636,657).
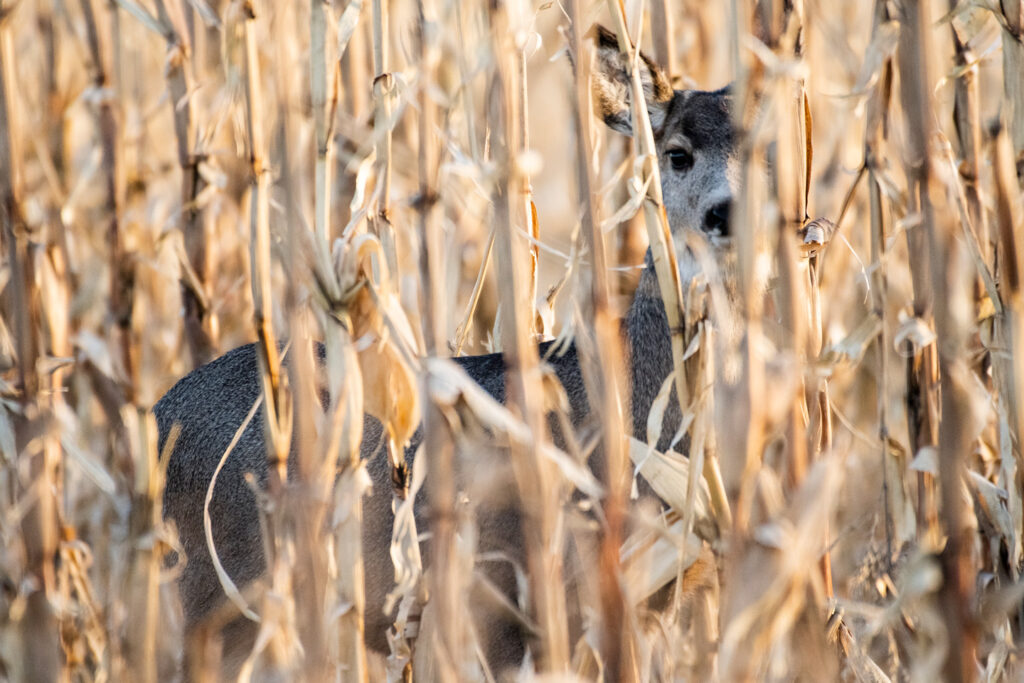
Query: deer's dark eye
(681,159)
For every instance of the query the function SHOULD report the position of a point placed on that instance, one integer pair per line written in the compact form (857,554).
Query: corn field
(405,181)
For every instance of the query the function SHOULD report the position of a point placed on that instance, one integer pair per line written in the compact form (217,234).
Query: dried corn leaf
(668,474)
(651,560)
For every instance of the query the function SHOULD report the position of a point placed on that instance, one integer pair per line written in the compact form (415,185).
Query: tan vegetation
(403,180)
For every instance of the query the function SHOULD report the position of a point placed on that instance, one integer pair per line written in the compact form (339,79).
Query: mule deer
(694,143)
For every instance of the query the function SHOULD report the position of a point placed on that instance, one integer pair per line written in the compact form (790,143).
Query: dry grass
(180,177)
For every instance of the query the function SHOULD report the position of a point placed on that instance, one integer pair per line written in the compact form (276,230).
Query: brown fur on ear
(611,83)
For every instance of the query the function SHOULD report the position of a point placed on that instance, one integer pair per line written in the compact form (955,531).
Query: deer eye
(681,159)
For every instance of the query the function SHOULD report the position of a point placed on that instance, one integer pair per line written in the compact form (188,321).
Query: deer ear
(611,84)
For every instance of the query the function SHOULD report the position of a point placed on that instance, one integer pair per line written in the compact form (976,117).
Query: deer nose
(716,220)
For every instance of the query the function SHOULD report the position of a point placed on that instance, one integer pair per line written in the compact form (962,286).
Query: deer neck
(650,354)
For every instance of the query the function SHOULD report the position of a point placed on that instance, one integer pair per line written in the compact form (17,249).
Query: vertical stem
(40,646)
(936,241)
(967,119)
(121,275)
(344,391)
(1009,328)
(538,484)
(878,105)
(749,445)
(318,91)
(1013,84)
(276,411)
(662,34)
(922,365)
(605,385)
(383,92)
(194,296)
(451,656)
(526,215)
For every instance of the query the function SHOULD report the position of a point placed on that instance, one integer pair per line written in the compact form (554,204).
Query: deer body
(694,141)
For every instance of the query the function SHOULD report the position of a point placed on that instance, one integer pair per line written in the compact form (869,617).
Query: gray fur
(210,403)
(691,121)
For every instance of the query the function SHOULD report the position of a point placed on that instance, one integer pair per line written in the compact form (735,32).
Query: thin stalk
(195,299)
(874,139)
(318,92)
(351,89)
(922,364)
(383,94)
(352,62)
(465,73)
(751,446)
(1013,84)
(121,275)
(259,217)
(452,658)
(344,387)
(604,383)
(539,486)
(662,33)
(147,560)
(966,117)
(39,645)
(527,214)
(276,404)
(955,594)
(799,297)
(1009,328)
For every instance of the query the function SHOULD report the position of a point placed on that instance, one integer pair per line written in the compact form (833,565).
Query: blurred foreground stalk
(36,483)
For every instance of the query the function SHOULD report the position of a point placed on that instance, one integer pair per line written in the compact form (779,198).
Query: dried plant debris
(787,445)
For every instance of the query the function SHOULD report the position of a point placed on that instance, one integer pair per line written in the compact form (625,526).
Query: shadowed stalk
(662,33)
(259,220)
(194,294)
(1008,328)
(874,139)
(321,116)
(343,377)
(383,95)
(450,650)
(922,363)
(539,484)
(967,120)
(1008,162)
(800,308)
(37,630)
(121,266)
(1013,84)
(933,238)
(604,382)
(277,408)
(746,443)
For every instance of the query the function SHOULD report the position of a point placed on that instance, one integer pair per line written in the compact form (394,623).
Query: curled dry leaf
(651,560)
(668,474)
(816,236)
(853,347)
